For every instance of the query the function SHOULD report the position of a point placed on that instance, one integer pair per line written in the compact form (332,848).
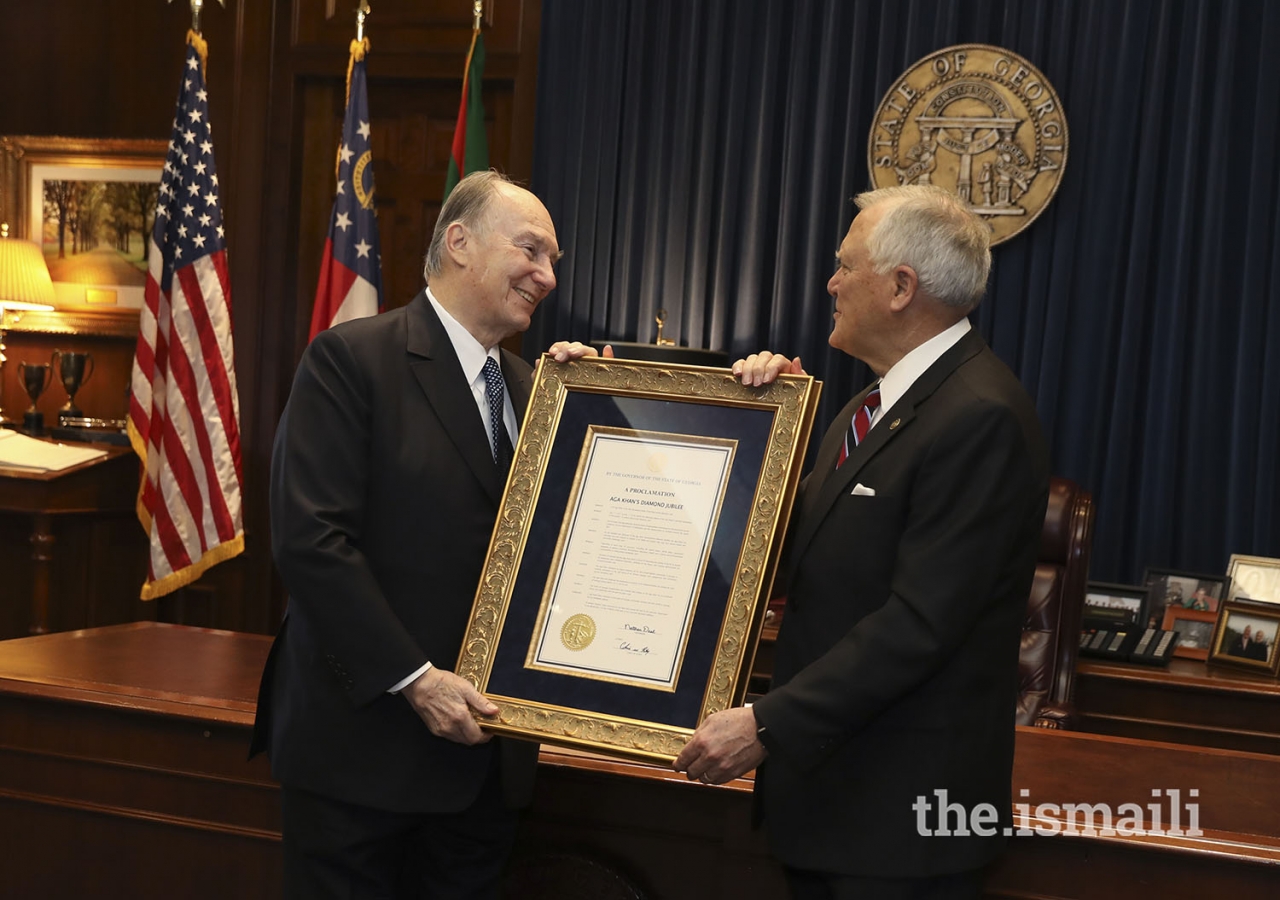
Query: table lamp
(24,284)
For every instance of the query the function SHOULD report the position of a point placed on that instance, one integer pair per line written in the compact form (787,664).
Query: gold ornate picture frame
(634,552)
(104,197)
(1245,636)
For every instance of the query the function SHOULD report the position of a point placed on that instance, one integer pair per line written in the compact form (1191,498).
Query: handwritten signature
(628,647)
(640,629)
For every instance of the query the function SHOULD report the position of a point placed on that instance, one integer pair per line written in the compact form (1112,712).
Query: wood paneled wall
(276,84)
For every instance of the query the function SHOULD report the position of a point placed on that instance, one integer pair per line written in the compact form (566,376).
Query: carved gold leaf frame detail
(792,400)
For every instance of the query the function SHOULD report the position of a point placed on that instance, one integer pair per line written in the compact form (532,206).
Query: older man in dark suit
(885,745)
(388,469)
(1258,648)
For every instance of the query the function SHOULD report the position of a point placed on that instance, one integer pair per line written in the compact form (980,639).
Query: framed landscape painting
(90,205)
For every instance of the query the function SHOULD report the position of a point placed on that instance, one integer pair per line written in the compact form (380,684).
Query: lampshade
(24,277)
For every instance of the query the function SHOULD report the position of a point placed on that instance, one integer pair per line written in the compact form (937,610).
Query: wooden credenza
(123,773)
(1187,703)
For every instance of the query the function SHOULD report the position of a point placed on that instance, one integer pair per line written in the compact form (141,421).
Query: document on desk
(631,557)
(17,451)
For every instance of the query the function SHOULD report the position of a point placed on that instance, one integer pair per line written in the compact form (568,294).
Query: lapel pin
(894,424)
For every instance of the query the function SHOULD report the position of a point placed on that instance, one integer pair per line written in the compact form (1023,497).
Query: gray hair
(467,204)
(931,230)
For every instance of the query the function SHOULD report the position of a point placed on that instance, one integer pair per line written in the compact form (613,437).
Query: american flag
(184,415)
(351,270)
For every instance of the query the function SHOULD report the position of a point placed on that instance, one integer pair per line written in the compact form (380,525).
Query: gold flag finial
(362,13)
(197,6)
(478,10)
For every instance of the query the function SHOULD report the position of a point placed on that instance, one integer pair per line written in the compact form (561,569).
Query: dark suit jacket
(383,499)
(896,667)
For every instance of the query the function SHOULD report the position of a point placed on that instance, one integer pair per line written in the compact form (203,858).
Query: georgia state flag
(351,272)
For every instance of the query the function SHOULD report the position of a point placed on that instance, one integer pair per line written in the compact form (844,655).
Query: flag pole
(359,49)
(477,11)
(184,408)
(470,151)
(194,37)
(350,283)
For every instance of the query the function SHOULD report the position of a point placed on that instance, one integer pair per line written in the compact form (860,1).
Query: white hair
(931,230)
(468,204)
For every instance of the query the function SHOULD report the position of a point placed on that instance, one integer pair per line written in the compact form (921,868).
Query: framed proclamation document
(634,552)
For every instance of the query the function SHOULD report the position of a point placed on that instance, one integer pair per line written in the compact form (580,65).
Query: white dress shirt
(898,380)
(472,354)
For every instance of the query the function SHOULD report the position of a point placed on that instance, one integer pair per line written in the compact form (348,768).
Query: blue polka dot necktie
(494,391)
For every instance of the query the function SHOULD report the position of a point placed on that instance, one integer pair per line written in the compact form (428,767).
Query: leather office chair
(1051,633)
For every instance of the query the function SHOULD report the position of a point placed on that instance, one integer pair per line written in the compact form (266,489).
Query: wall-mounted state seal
(980,121)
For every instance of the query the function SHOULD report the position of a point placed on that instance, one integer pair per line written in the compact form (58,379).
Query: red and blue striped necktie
(860,425)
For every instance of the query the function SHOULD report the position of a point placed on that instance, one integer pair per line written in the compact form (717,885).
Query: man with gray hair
(386,476)
(885,745)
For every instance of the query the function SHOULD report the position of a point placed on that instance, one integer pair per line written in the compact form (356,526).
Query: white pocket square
(861,490)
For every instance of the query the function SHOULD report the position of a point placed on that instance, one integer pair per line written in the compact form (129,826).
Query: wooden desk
(1188,703)
(123,766)
(1237,856)
(668,836)
(108,484)
(122,763)
(674,839)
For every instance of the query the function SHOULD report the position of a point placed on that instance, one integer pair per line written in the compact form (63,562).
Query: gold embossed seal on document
(980,121)
(578,631)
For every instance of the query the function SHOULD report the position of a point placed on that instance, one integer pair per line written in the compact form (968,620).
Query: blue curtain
(699,156)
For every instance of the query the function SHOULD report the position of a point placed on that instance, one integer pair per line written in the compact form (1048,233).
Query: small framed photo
(1245,636)
(1115,605)
(1188,590)
(1254,578)
(1195,631)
